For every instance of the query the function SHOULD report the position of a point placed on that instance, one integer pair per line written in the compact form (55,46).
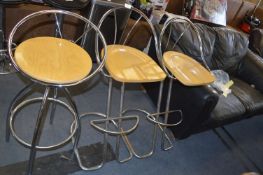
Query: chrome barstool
(179,66)
(77,5)
(5,63)
(126,64)
(51,63)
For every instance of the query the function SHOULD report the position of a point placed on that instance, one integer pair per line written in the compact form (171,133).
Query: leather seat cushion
(243,101)
(250,97)
(227,110)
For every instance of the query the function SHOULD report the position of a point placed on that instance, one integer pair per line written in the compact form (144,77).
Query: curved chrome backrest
(101,61)
(168,26)
(131,11)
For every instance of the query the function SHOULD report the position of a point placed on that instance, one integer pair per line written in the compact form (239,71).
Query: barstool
(76,5)
(179,66)
(5,63)
(127,64)
(51,63)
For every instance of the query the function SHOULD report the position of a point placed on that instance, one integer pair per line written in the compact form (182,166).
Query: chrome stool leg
(117,124)
(77,137)
(160,95)
(157,124)
(39,126)
(105,135)
(163,125)
(154,133)
(19,96)
(53,106)
(76,152)
(37,132)
(166,116)
(77,125)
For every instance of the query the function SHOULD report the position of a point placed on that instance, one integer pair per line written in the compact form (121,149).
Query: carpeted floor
(202,153)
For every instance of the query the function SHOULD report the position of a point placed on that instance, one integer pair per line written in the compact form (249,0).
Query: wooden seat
(127,64)
(53,60)
(188,71)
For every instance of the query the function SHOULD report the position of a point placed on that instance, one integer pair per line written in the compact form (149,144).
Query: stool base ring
(122,133)
(41,148)
(153,119)
(95,122)
(76,150)
(160,125)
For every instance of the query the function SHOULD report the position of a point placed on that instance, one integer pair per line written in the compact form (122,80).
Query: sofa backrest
(223,48)
(189,44)
(229,49)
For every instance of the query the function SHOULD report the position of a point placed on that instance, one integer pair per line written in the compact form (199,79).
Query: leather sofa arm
(251,70)
(196,104)
(256,41)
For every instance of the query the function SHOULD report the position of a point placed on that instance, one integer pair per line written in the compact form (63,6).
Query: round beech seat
(53,60)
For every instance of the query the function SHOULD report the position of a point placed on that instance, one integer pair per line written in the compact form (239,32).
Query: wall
(14,13)
(236,11)
(255,1)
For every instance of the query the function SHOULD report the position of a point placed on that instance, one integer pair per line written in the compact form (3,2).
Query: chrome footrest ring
(113,120)
(153,119)
(76,151)
(42,148)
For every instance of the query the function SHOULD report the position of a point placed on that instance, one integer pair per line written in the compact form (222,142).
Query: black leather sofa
(203,108)
(256,41)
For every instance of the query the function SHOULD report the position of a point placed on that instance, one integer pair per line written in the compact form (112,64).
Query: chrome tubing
(53,106)
(166,114)
(19,96)
(76,152)
(42,148)
(37,133)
